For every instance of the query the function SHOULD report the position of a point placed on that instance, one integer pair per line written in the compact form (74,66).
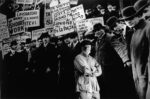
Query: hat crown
(129,12)
(140,4)
(111,21)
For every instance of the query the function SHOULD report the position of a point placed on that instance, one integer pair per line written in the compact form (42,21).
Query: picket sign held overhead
(31,17)
(78,13)
(62,18)
(24,1)
(84,25)
(37,33)
(48,18)
(87,24)
(16,25)
(4,33)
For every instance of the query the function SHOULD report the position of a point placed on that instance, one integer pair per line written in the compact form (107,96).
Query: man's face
(14,47)
(87,49)
(130,23)
(46,40)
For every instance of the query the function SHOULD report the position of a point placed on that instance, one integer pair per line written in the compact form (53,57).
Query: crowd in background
(45,68)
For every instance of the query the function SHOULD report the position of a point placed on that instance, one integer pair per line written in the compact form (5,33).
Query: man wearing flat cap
(140,53)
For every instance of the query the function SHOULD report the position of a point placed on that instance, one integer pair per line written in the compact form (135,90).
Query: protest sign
(4,33)
(97,20)
(84,25)
(37,33)
(48,19)
(31,18)
(24,1)
(62,18)
(87,24)
(16,25)
(74,2)
(78,13)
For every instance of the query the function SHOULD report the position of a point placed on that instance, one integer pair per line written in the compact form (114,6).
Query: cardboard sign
(4,33)
(97,20)
(24,1)
(84,25)
(74,2)
(87,24)
(48,19)
(37,33)
(78,13)
(16,25)
(62,18)
(31,18)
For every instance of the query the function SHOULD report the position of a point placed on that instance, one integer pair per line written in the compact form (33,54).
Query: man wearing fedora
(48,65)
(139,46)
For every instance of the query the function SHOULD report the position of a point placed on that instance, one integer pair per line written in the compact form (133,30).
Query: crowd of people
(86,67)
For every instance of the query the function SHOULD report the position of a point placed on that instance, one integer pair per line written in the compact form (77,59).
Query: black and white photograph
(74,49)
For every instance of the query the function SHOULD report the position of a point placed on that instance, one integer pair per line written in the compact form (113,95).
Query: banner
(16,25)
(62,18)
(37,33)
(24,1)
(78,13)
(48,19)
(74,2)
(4,33)
(31,18)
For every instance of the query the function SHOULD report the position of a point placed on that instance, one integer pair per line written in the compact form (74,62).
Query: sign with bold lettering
(31,18)
(78,13)
(62,18)
(16,25)
(37,33)
(87,24)
(24,1)
(84,25)
(4,33)
(48,19)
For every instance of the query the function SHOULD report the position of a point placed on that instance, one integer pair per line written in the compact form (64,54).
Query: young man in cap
(140,56)
(87,70)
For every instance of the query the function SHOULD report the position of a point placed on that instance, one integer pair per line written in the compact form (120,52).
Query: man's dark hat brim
(137,12)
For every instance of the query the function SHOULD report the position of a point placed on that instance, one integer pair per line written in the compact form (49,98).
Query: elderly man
(86,71)
(139,46)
